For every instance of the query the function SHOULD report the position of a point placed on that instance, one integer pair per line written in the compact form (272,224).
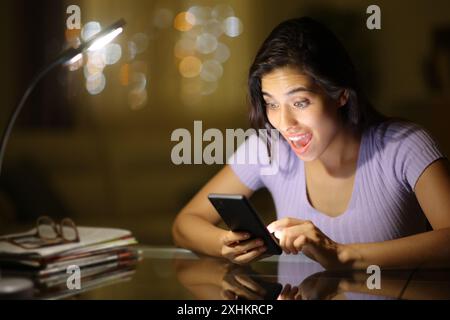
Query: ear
(343,98)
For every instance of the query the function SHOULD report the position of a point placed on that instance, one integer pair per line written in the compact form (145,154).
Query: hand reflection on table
(239,284)
(318,286)
(211,278)
(216,279)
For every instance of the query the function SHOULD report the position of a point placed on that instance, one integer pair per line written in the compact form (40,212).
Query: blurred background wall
(93,142)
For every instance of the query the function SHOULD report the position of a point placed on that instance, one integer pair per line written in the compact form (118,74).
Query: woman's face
(301,111)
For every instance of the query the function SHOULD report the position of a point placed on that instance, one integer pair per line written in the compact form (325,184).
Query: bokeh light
(138,81)
(132,50)
(112,53)
(193,33)
(137,99)
(206,43)
(222,53)
(184,21)
(222,11)
(190,67)
(96,83)
(213,27)
(200,50)
(95,63)
(90,29)
(199,15)
(232,26)
(184,47)
(211,71)
(132,73)
(137,96)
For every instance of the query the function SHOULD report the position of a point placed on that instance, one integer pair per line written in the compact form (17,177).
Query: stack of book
(102,256)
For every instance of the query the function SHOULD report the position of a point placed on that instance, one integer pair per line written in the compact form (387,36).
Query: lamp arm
(12,119)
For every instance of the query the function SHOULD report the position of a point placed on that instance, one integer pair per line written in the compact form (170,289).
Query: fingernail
(262,249)
(259,242)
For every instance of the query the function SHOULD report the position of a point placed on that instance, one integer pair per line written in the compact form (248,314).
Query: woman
(353,189)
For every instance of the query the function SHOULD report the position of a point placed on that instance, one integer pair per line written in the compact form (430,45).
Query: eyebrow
(295,90)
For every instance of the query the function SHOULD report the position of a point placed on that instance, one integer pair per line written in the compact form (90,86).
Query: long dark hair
(312,48)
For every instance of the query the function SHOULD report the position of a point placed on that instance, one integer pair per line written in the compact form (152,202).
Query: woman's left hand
(299,235)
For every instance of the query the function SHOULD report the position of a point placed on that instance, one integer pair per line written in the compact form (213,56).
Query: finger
(283,244)
(249,256)
(300,242)
(305,231)
(288,292)
(239,290)
(272,226)
(293,293)
(289,242)
(247,246)
(306,227)
(284,223)
(285,292)
(286,244)
(251,284)
(278,224)
(233,237)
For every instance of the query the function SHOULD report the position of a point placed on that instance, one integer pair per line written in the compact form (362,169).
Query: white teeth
(300,140)
(297,138)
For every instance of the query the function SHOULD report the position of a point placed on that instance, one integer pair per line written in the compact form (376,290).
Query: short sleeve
(414,149)
(246,162)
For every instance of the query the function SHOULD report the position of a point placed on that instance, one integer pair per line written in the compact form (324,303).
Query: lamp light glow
(75,59)
(103,41)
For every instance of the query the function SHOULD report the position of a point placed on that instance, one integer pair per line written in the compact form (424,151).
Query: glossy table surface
(171,273)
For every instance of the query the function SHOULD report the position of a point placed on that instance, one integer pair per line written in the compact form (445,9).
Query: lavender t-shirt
(383,206)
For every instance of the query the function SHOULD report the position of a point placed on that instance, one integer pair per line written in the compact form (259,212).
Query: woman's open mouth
(300,142)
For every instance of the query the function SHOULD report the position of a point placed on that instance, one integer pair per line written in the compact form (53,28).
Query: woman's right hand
(239,249)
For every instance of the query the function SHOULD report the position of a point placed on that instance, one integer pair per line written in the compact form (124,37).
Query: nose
(286,119)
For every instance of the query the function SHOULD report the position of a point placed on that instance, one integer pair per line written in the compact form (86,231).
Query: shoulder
(403,149)
(400,134)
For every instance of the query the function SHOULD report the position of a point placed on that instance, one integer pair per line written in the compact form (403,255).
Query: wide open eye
(302,104)
(271,105)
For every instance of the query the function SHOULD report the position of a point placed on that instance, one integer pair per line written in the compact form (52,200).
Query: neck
(341,156)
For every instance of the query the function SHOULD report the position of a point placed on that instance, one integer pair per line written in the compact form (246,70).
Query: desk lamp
(69,56)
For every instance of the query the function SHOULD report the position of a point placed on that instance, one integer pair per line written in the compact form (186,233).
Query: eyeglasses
(48,233)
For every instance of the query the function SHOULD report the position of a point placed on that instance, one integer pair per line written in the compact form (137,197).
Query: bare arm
(195,227)
(429,249)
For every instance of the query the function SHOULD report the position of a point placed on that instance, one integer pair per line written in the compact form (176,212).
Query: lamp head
(94,43)
(105,36)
